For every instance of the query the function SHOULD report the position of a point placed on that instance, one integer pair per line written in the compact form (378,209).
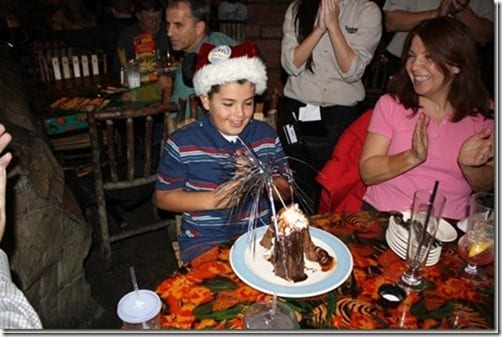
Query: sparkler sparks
(252,182)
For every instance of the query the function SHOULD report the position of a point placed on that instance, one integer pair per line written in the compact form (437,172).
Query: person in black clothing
(149,14)
(110,25)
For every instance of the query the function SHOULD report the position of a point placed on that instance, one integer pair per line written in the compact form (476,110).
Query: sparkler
(254,180)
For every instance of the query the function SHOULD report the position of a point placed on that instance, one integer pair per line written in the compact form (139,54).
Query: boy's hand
(227,194)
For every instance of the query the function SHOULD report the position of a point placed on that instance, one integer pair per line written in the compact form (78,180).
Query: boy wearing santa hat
(199,158)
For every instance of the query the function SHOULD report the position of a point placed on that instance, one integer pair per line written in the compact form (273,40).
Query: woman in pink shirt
(434,124)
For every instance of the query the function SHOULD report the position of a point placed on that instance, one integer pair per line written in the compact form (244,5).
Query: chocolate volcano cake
(293,245)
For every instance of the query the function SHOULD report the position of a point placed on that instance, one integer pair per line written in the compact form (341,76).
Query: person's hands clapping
(5,159)
(331,10)
(444,8)
(320,23)
(457,6)
(478,149)
(420,139)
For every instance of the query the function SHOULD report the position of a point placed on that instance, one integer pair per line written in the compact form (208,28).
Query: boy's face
(231,108)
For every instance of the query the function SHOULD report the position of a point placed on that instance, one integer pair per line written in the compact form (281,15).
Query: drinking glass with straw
(270,315)
(425,216)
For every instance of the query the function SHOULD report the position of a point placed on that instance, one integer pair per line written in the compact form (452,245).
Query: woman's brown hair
(448,42)
(305,14)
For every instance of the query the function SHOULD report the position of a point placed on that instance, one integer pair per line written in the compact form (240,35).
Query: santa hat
(224,64)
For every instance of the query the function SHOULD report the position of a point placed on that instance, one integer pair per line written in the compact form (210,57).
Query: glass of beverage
(133,74)
(476,246)
(425,216)
(270,315)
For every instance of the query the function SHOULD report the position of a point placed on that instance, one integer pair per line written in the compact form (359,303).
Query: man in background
(149,15)
(187,28)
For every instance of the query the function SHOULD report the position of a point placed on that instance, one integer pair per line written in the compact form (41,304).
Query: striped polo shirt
(198,158)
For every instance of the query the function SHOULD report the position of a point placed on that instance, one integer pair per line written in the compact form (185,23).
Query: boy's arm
(179,200)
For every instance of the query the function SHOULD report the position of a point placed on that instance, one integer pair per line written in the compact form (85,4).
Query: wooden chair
(375,80)
(59,63)
(56,61)
(266,110)
(194,104)
(234,29)
(180,121)
(126,165)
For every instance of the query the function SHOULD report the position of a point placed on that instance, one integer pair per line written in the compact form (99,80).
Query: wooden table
(66,123)
(211,296)
(53,101)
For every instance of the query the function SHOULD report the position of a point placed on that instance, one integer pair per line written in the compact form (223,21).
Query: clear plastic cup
(140,310)
(260,316)
(133,74)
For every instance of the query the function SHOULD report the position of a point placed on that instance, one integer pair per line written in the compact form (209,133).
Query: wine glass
(476,246)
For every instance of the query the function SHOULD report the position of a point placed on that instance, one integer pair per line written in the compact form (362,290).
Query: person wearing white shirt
(400,16)
(325,49)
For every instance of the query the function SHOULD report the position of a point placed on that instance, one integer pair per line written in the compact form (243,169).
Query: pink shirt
(390,119)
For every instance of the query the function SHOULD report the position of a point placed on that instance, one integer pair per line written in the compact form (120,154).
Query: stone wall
(47,238)
(265,19)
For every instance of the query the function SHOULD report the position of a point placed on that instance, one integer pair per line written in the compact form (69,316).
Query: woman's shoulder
(387,100)
(479,120)
(390,107)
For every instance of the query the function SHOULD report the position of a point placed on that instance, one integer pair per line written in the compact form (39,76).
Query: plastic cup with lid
(140,309)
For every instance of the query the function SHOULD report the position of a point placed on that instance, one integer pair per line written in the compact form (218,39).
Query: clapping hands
(452,7)
(420,139)
(328,13)
(478,149)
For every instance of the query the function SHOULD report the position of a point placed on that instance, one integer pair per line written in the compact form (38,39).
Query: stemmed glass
(425,215)
(476,246)
(165,59)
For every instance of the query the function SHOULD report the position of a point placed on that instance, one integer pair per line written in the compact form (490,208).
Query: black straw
(426,223)
(431,202)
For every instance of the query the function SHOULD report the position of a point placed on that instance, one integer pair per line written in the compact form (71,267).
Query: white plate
(399,250)
(403,243)
(446,232)
(256,271)
(432,258)
(400,235)
(462,224)
(399,231)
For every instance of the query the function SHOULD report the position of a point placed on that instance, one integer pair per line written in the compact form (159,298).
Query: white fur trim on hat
(231,70)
